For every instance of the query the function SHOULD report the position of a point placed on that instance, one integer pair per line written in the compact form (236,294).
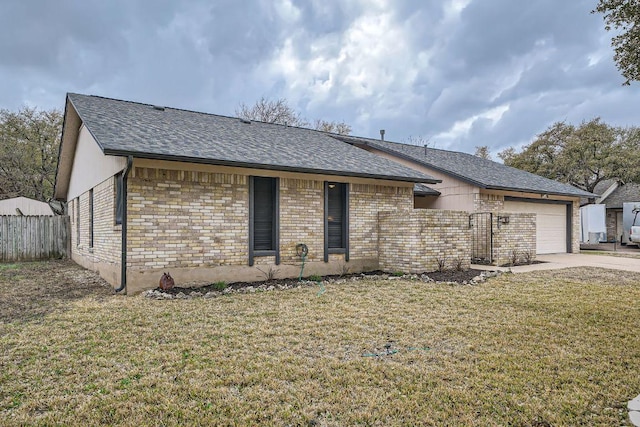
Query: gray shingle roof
(422,190)
(625,193)
(472,169)
(142,130)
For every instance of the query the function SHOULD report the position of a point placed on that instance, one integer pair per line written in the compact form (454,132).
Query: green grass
(219,286)
(546,348)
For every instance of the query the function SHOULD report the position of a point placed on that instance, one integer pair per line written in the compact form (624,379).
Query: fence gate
(481,227)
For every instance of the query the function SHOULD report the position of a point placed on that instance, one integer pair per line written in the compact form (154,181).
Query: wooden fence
(31,238)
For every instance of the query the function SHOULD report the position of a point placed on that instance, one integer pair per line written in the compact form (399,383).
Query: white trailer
(593,224)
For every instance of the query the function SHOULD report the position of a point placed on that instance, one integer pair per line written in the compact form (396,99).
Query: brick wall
(180,219)
(518,236)
(413,241)
(488,202)
(105,254)
(301,218)
(610,221)
(576,231)
(366,201)
(495,203)
(186,219)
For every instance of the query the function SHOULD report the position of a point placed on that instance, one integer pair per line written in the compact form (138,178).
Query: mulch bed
(437,276)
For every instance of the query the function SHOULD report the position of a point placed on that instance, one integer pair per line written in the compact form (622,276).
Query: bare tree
(270,111)
(280,112)
(483,152)
(420,140)
(341,128)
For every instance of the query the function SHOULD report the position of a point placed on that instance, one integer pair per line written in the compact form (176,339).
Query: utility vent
(245,121)
(158,107)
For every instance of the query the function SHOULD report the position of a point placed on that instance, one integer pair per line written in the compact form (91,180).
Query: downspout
(123,259)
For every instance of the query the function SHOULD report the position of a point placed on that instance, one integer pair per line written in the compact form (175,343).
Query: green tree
(623,16)
(581,156)
(280,112)
(29,141)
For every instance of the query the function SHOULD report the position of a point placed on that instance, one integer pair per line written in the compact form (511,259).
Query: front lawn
(545,348)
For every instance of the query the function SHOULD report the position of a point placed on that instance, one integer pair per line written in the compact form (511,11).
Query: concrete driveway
(556,261)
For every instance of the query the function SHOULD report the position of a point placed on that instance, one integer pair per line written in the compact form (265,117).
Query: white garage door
(551,224)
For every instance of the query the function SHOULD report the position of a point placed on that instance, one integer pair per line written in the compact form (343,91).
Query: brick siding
(515,239)
(107,236)
(414,241)
(186,219)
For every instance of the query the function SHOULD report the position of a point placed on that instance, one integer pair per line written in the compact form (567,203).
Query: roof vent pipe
(425,149)
(382,134)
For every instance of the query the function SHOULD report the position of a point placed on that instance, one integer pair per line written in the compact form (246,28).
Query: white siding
(90,165)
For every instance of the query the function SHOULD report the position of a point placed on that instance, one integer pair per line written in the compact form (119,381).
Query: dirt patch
(32,289)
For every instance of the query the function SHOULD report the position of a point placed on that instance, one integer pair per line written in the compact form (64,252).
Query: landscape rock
(190,293)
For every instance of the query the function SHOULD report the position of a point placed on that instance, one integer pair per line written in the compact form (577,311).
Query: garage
(551,224)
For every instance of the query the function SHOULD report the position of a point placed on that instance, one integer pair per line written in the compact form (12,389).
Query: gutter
(283,168)
(123,259)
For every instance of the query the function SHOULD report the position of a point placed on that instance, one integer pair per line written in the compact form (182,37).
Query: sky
(454,73)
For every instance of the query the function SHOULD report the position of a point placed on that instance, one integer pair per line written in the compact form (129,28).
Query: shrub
(457,264)
(270,274)
(219,286)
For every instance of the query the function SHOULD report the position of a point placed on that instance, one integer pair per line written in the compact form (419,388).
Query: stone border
(265,287)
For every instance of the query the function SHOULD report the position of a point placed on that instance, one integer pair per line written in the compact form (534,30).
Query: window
(118,201)
(263,218)
(336,219)
(77,205)
(91,218)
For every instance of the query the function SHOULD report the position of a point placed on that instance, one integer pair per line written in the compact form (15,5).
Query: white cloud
(371,64)
(490,72)
(461,128)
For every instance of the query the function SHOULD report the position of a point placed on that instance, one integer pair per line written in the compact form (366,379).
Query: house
(613,194)
(214,198)
(24,206)
(473,184)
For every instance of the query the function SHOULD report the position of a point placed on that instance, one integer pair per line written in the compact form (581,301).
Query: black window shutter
(335,215)
(264,209)
(91,218)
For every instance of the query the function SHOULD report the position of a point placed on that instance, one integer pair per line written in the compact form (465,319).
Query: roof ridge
(409,145)
(199,112)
